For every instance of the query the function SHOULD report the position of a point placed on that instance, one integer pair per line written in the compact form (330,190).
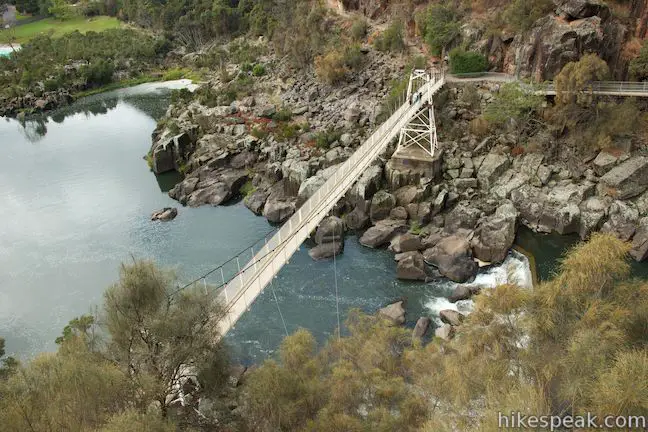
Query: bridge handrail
(304,217)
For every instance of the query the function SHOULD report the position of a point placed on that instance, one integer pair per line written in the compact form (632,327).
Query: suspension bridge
(414,124)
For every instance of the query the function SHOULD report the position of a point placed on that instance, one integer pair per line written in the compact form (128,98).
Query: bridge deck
(240,292)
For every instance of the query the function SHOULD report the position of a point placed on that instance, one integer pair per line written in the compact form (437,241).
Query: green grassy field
(25,32)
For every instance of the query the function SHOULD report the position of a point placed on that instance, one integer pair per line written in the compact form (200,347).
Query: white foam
(514,270)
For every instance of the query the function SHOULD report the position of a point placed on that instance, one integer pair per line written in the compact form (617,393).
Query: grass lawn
(25,32)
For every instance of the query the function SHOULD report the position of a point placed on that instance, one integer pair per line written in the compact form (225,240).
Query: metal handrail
(288,239)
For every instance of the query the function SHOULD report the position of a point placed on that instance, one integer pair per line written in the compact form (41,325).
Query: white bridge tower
(418,138)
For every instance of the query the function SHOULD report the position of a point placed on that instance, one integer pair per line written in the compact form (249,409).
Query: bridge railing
(240,292)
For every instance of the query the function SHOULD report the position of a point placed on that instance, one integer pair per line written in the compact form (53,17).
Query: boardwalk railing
(250,281)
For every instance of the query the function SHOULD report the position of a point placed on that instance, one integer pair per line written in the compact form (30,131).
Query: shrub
(258,132)
(324,139)
(467,62)
(99,73)
(520,15)
(439,25)
(330,67)
(391,39)
(639,65)
(258,70)
(173,74)
(284,114)
(359,29)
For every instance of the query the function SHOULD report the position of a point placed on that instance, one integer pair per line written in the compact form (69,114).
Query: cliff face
(640,13)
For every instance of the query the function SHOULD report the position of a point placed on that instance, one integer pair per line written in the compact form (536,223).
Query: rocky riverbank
(444,219)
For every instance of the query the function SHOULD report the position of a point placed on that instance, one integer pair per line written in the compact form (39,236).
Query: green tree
(639,65)
(72,390)
(513,102)
(574,82)
(462,61)
(439,25)
(159,336)
(391,39)
(8,365)
(61,9)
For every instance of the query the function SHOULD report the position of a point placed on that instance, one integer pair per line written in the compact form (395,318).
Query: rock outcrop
(452,256)
(394,312)
(626,180)
(412,267)
(495,234)
(166,214)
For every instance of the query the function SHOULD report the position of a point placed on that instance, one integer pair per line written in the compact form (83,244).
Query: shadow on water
(168,180)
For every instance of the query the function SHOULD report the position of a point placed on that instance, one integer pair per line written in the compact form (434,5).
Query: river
(76,200)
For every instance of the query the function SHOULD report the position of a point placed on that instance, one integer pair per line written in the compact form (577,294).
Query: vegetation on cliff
(574,344)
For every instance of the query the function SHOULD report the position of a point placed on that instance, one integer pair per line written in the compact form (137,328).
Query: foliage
(155,330)
(359,29)
(8,365)
(55,28)
(283,114)
(467,61)
(573,83)
(512,102)
(258,70)
(91,60)
(61,10)
(333,67)
(72,390)
(520,15)
(133,421)
(98,73)
(598,121)
(639,65)
(579,339)
(324,139)
(391,39)
(247,188)
(439,25)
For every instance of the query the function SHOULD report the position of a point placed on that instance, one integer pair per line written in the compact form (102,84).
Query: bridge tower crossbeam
(420,132)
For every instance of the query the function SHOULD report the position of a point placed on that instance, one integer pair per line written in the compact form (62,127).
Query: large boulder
(463,216)
(495,234)
(326,250)
(578,9)
(463,292)
(406,243)
(421,328)
(493,166)
(445,332)
(277,211)
(382,233)
(593,211)
(367,185)
(626,180)
(214,194)
(382,204)
(411,267)
(166,214)
(452,256)
(308,188)
(639,249)
(394,312)
(295,172)
(622,220)
(452,317)
(356,219)
(331,229)
(604,162)
(255,201)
